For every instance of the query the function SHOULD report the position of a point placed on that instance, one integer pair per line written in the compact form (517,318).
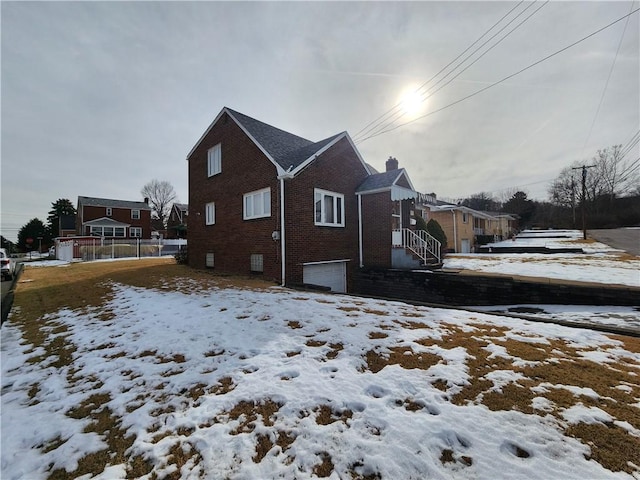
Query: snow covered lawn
(599,264)
(162,372)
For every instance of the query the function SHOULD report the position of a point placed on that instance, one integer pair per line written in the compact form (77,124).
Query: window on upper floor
(210,213)
(109,212)
(464,217)
(135,214)
(257,204)
(329,208)
(214,160)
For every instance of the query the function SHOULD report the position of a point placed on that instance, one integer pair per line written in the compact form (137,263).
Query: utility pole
(573,199)
(584,197)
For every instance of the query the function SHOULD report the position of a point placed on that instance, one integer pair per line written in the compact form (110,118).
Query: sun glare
(412,101)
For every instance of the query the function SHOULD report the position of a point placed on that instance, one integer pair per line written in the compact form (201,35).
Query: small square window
(257,263)
(135,214)
(209,260)
(214,160)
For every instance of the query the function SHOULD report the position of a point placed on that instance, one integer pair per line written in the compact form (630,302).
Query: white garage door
(332,275)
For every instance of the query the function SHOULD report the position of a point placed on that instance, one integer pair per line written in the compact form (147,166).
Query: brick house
(269,202)
(177,221)
(102,217)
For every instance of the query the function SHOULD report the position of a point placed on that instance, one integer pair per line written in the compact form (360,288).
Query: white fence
(99,248)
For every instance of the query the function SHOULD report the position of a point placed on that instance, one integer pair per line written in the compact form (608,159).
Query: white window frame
(210,213)
(214,160)
(256,204)
(135,214)
(109,211)
(135,232)
(100,231)
(336,208)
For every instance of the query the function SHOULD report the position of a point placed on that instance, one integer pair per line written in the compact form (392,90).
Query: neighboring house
(458,223)
(102,217)
(66,225)
(467,228)
(177,222)
(269,202)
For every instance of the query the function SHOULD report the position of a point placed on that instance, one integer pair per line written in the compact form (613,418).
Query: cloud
(100,97)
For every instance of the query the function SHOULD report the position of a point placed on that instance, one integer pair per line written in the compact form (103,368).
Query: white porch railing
(419,242)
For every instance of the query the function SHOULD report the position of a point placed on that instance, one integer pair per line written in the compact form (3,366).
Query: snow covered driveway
(189,381)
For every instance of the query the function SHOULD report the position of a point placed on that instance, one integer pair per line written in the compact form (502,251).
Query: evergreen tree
(37,232)
(60,207)
(435,230)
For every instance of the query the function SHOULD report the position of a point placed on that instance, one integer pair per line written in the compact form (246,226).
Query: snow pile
(281,384)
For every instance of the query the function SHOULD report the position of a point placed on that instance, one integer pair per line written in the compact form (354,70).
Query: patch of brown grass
(247,413)
(335,350)
(403,356)
(105,424)
(325,415)
(224,386)
(325,467)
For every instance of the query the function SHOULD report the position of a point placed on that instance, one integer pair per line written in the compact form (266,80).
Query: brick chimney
(392,164)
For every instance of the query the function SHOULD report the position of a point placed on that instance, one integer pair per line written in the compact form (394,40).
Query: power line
(399,104)
(606,84)
(426,95)
(505,78)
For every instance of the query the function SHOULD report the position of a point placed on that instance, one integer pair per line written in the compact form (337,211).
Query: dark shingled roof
(106,202)
(287,149)
(379,180)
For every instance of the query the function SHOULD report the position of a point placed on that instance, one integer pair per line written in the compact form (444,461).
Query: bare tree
(161,195)
(611,176)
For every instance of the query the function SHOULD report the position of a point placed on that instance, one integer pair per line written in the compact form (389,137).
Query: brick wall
(337,170)
(118,214)
(376,232)
(232,240)
(244,169)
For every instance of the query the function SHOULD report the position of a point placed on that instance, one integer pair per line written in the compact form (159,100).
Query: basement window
(209,261)
(257,263)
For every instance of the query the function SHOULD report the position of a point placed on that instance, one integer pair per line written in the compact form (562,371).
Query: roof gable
(106,202)
(384,181)
(288,152)
(105,222)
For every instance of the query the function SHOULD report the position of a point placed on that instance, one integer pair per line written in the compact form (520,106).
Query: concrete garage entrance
(326,274)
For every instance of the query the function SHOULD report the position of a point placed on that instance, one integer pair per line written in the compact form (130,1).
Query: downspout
(360,230)
(283,265)
(455,231)
(282,237)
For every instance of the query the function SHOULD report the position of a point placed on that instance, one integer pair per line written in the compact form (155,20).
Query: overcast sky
(100,98)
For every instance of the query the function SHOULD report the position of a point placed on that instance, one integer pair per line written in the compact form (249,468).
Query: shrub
(181,257)
(435,230)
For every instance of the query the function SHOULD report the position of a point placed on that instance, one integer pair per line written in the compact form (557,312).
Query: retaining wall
(458,289)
